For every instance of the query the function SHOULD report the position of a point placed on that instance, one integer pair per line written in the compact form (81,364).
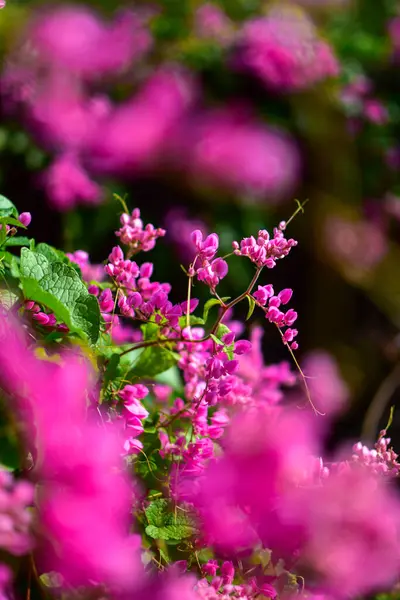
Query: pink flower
(229,148)
(329,392)
(25,218)
(265,456)
(212,23)
(394,33)
(89,271)
(62,115)
(15,518)
(284,51)
(355,518)
(78,465)
(375,111)
(67,184)
(132,135)
(74,38)
(360,245)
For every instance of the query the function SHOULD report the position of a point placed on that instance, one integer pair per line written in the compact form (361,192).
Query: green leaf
(111,372)
(49,252)
(193,321)
(154,359)
(167,525)
(171,377)
(216,340)
(7,208)
(59,287)
(221,331)
(14,265)
(7,298)
(12,221)
(157,512)
(252,305)
(18,240)
(53,254)
(209,304)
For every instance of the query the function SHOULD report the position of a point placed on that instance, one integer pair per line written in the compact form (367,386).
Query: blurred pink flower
(75,38)
(284,51)
(392,158)
(90,272)
(394,34)
(266,381)
(63,117)
(15,516)
(212,23)
(169,586)
(392,205)
(132,135)
(267,453)
(180,227)
(231,149)
(353,527)
(67,183)
(375,111)
(359,244)
(84,499)
(329,392)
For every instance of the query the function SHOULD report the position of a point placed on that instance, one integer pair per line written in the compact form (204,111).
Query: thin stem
(190,279)
(300,208)
(379,403)
(214,328)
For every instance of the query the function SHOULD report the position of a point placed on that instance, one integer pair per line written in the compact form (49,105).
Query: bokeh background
(218,116)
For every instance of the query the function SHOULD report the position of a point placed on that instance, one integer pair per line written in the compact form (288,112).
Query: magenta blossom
(266,455)
(67,183)
(75,38)
(132,135)
(78,465)
(328,390)
(229,148)
(283,50)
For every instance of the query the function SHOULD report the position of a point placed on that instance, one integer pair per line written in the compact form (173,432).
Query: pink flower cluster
(76,39)
(64,69)
(15,519)
(265,251)
(220,584)
(135,236)
(49,80)
(78,466)
(265,297)
(327,388)
(262,488)
(45,319)
(134,413)
(360,245)
(211,23)
(284,51)
(230,149)
(381,458)
(90,272)
(358,99)
(137,296)
(210,270)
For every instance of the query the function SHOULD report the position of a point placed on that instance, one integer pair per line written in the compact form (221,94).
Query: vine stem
(225,308)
